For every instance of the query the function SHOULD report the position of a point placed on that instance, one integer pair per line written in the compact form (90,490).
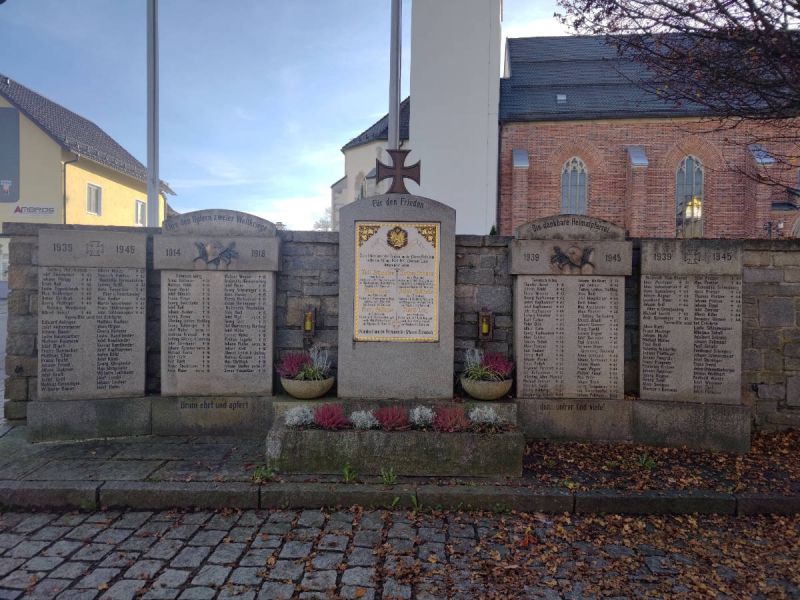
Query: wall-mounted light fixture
(309,323)
(485,324)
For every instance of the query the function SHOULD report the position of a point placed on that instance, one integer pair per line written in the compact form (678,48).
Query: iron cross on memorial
(398,172)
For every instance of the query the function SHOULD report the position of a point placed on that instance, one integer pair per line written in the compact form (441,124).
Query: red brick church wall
(641,199)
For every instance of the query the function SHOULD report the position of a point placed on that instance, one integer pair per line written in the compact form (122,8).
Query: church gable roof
(577,77)
(380,129)
(73,132)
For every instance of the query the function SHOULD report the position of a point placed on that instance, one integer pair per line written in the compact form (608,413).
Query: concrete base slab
(87,419)
(575,419)
(165,495)
(49,494)
(717,427)
(409,453)
(14,410)
(212,415)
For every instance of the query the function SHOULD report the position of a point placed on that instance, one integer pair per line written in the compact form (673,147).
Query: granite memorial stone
(569,308)
(217,304)
(691,321)
(91,314)
(396,298)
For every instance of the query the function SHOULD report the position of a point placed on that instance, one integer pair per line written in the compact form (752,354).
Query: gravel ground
(383,554)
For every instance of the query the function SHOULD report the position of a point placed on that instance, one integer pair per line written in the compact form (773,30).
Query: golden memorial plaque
(397,282)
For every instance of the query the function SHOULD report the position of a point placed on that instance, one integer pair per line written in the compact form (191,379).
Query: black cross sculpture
(398,172)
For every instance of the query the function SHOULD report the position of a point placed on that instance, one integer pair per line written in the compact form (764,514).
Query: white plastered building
(450,123)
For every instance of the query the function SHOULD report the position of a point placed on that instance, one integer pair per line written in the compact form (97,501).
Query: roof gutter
(64,182)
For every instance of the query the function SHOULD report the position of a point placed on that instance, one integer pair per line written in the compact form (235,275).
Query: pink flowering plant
(311,365)
(487,366)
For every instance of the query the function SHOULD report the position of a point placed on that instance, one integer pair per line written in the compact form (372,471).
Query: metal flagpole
(394,82)
(153,181)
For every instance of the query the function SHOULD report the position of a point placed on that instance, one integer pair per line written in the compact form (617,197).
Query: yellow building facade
(61,178)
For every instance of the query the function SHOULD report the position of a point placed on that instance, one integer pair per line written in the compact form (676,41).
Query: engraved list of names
(91,317)
(571,340)
(397,282)
(217,323)
(691,321)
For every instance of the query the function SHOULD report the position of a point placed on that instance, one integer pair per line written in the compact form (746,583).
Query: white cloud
(296,212)
(538,27)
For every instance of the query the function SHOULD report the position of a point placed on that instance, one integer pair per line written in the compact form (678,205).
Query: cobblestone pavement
(382,554)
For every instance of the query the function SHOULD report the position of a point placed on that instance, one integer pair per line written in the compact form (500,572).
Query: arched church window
(689,181)
(573,187)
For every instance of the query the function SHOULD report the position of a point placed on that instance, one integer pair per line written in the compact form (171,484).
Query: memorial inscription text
(397,282)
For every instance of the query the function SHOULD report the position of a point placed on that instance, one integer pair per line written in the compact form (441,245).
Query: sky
(257,97)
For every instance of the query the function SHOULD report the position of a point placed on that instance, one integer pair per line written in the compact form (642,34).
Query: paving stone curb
(550,500)
(317,495)
(164,495)
(655,502)
(49,494)
(213,495)
(757,504)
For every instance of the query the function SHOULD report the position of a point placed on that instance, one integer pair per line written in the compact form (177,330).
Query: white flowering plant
(364,419)
(299,416)
(485,418)
(421,417)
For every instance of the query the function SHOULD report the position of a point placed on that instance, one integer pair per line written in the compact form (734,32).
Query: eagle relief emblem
(213,254)
(397,238)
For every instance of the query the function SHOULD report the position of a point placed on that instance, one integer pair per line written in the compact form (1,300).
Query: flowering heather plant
(292,363)
(313,365)
(499,364)
(421,417)
(331,417)
(299,416)
(490,366)
(450,419)
(392,418)
(364,419)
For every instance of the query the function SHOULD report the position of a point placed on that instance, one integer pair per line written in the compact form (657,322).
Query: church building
(566,129)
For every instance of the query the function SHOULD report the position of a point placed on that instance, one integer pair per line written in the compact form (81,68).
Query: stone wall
(310,276)
(771,331)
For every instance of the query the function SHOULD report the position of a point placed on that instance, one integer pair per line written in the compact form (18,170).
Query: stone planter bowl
(486,390)
(306,390)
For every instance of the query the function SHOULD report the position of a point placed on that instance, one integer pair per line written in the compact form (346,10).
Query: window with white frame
(94,199)
(689,184)
(141,213)
(573,187)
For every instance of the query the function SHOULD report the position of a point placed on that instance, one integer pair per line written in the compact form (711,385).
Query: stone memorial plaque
(218,304)
(569,308)
(397,282)
(691,321)
(572,337)
(92,296)
(397,279)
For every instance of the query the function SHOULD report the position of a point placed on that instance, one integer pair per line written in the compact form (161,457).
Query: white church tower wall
(455,94)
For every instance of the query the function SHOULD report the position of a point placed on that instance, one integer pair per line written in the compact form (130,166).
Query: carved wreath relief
(572,260)
(214,253)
